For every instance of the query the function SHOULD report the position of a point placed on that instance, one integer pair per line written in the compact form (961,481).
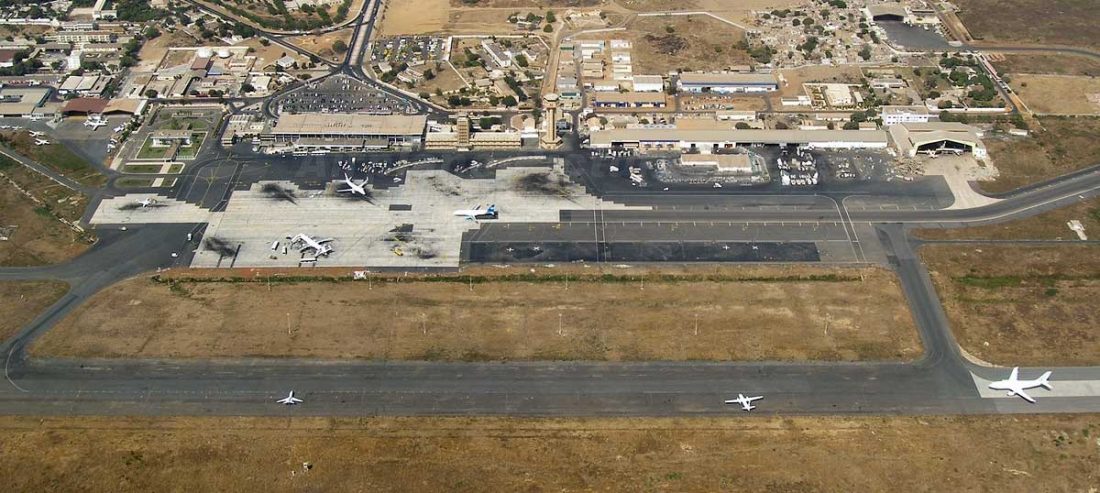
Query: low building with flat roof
(629,100)
(707,141)
(727,163)
(166,138)
(727,82)
(893,115)
(22,101)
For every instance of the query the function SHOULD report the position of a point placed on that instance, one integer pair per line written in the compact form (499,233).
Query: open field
(1023,22)
(1062,145)
(413,17)
(1049,225)
(56,156)
(794,78)
(1021,305)
(21,301)
(276,15)
(1048,64)
(1058,94)
(693,42)
(689,313)
(153,51)
(38,237)
(980,453)
(322,45)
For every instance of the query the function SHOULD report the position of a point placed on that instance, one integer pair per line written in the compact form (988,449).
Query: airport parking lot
(340,94)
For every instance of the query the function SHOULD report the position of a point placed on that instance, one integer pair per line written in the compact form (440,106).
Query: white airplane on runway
(320,247)
(94,123)
(1015,386)
(36,134)
(354,188)
(478,213)
(146,202)
(41,142)
(290,400)
(745,402)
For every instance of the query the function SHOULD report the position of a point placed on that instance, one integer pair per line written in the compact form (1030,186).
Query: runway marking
(1061,388)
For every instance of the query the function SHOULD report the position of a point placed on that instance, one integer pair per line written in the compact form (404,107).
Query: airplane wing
(1021,393)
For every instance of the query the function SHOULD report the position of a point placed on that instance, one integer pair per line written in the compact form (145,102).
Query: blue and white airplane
(478,213)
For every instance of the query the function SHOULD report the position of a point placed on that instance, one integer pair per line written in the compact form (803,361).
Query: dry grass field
(21,301)
(693,42)
(1024,22)
(845,74)
(1048,64)
(694,313)
(1062,145)
(1049,225)
(38,238)
(1058,94)
(1021,305)
(414,17)
(1007,454)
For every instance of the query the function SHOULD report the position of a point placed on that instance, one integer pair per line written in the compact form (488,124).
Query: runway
(941,382)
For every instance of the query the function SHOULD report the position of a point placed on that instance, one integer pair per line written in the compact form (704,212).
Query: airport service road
(941,382)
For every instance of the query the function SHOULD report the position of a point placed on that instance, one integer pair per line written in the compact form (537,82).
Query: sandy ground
(1021,305)
(414,17)
(980,453)
(153,51)
(322,45)
(1046,226)
(1054,22)
(1048,64)
(1058,94)
(21,301)
(1062,145)
(265,55)
(696,43)
(38,238)
(715,313)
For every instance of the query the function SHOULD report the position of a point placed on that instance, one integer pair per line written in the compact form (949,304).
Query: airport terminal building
(326,131)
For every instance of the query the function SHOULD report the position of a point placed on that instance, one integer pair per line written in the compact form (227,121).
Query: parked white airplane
(320,247)
(41,142)
(36,134)
(478,213)
(745,402)
(290,400)
(1015,386)
(146,202)
(355,188)
(94,124)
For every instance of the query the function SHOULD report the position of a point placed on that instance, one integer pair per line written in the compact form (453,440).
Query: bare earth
(1021,305)
(1062,145)
(322,45)
(413,17)
(802,454)
(707,313)
(1049,225)
(696,43)
(1058,94)
(1024,22)
(21,301)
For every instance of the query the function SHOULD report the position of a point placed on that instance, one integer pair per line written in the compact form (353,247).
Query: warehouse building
(727,82)
(354,131)
(709,141)
(629,100)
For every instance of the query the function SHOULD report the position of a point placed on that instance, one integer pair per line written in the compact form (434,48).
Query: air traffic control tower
(550,138)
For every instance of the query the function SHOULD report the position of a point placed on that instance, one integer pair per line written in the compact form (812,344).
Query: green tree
(339,46)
